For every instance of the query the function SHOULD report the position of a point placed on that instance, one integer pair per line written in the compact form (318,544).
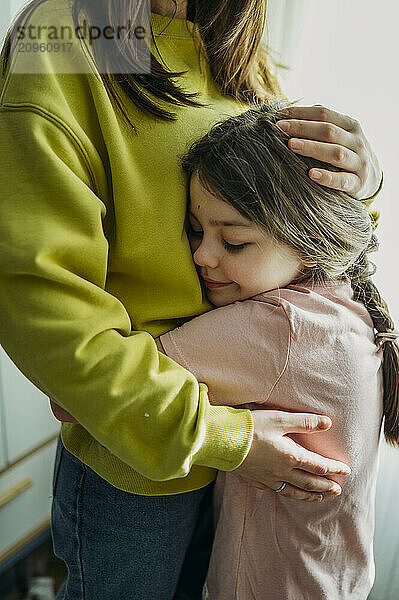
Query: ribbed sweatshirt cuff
(227,439)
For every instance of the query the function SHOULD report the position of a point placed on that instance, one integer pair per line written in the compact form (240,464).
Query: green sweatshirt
(95,262)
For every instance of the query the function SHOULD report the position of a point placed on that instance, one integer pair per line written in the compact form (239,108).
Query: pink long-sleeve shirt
(302,348)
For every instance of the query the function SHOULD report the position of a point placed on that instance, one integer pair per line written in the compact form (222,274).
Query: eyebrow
(217,223)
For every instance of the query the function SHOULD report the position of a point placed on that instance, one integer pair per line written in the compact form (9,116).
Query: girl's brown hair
(245,161)
(231,38)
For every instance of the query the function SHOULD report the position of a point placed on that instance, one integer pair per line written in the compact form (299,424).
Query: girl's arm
(61,414)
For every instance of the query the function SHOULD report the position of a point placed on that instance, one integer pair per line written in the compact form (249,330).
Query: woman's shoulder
(48,68)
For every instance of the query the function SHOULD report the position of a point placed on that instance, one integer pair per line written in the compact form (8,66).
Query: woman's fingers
(318,465)
(346,182)
(313,130)
(318,112)
(331,153)
(298,456)
(288,422)
(300,481)
(275,457)
(312,483)
(334,149)
(314,463)
(290,491)
(336,155)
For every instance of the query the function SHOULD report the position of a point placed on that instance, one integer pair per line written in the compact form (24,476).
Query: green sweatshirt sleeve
(375,213)
(70,337)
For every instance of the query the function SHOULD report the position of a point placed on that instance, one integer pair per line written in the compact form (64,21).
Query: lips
(212,284)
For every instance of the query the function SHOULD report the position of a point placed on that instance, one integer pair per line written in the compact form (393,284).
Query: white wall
(8,10)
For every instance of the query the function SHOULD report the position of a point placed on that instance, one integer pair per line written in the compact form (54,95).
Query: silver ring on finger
(280,489)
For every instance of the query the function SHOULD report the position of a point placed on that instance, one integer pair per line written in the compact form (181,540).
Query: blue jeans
(123,546)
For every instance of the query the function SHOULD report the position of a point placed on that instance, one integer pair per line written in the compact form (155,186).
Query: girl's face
(233,252)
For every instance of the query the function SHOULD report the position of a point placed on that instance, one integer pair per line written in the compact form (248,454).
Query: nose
(205,256)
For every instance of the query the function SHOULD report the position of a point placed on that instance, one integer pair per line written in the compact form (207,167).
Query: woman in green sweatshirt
(95,263)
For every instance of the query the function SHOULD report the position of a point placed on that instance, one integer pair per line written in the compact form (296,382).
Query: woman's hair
(231,39)
(245,161)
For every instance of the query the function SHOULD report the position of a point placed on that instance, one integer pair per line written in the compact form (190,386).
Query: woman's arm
(274,457)
(64,416)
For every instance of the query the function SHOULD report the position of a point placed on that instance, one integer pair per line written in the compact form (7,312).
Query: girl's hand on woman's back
(61,414)
(336,139)
(275,458)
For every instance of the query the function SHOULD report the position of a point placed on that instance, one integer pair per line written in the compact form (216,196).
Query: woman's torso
(138,178)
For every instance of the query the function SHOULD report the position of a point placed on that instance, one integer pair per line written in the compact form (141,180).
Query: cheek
(240,272)
(255,273)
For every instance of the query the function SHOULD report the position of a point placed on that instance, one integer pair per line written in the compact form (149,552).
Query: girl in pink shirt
(286,263)
(298,326)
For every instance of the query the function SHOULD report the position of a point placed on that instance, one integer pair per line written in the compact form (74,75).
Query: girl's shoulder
(309,291)
(240,350)
(327,297)
(326,307)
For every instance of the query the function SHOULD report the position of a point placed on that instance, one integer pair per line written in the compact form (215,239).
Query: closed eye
(197,233)
(233,247)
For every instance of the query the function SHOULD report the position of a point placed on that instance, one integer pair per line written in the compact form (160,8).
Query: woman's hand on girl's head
(275,458)
(337,139)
